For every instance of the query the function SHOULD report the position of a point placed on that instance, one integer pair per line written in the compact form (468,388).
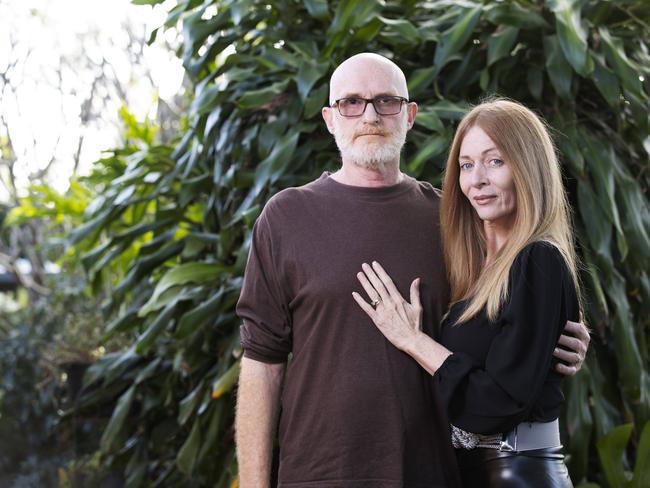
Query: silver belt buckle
(509,441)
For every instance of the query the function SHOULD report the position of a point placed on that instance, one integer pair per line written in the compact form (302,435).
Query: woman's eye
(496,162)
(466,166)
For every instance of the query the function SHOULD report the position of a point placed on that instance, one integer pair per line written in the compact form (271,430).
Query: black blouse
(502,373)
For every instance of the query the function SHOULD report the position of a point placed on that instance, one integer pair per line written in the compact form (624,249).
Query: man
(356,412)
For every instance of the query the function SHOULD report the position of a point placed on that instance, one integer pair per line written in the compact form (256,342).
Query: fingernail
(556,350)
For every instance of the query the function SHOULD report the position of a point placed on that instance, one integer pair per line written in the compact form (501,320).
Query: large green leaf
(262,96)
(197,317)
(627,71)
(226,382)
(558,69)
(155,328)
(641,476)
(183,274)
(606,83)
(572,35)
(456,37)
(187,455)
(308,74)
(610,450)
(501,43)
(402,27)
(114,427)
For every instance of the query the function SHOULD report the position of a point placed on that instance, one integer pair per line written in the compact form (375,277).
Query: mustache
(370,132)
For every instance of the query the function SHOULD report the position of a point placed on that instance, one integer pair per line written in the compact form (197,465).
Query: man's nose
(370,115)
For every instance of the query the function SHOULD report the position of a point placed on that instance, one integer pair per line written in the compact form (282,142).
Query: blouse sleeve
(497,396)
(266,333)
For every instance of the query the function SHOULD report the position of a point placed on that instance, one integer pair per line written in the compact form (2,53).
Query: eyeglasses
(356,106)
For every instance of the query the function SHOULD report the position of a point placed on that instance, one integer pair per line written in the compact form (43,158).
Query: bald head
(370,70)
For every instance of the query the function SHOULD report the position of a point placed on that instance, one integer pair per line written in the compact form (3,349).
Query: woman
(512,270)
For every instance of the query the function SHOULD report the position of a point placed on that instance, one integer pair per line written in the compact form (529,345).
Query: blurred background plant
(162,234)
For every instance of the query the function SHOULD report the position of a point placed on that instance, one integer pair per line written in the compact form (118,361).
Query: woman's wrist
(427,352)
(414,342)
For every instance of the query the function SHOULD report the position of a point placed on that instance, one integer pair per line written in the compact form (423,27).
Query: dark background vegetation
(156,238)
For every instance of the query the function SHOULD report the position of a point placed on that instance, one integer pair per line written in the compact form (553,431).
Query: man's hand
(572,348)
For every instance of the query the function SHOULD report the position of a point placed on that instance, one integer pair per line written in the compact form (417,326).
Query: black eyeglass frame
(366,102)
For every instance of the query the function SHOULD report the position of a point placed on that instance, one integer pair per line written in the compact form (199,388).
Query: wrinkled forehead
(367,77)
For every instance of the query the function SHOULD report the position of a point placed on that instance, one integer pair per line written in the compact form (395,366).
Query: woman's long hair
(542,212)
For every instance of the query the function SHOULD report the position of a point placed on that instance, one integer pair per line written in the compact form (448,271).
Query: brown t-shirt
(356,411)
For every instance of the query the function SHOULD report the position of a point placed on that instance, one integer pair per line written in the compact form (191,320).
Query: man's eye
(352,101)
(384,100)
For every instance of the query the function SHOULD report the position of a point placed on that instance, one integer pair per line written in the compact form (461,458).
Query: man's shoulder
(294,194)
(428,189)
(293,199)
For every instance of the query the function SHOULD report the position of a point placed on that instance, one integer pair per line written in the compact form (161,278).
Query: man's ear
(411,110)
(328,114)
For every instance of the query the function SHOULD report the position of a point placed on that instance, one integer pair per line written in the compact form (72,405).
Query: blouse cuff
(452,373)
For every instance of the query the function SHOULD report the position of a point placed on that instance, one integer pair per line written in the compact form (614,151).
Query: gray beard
(375,158)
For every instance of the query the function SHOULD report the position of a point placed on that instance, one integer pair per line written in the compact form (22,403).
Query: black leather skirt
(539,468)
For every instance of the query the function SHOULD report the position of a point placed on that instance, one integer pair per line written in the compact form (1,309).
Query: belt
(531,435)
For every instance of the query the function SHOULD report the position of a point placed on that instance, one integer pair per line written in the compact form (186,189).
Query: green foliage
(27,400)
(169,235)
(37,361)
(611,450)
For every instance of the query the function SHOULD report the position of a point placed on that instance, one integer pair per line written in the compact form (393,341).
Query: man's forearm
(258,405)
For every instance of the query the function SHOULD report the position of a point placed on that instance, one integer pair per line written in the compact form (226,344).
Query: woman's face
(486,180)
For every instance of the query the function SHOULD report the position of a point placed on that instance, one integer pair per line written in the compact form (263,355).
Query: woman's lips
(484,199)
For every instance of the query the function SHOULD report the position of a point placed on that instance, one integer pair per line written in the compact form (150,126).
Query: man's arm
(258,405)
(572,348)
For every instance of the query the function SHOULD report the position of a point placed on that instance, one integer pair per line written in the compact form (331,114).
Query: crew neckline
(368,191)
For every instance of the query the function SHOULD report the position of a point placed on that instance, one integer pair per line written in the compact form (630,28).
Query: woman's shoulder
(539,255)
(538,264)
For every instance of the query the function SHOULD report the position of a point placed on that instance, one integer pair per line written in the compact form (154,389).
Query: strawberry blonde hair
(542,211)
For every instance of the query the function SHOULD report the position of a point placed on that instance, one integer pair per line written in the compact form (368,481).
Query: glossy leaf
(641,475)
(610,450)
(187,455)
(186,273)
(225,382)
(110,435)
(558,69)
(155,328)
(501,43)
(308,74)
(572,35)
(456,37)
(606,83)
(617,59)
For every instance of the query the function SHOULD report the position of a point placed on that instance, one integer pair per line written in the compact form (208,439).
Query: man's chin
(371,165)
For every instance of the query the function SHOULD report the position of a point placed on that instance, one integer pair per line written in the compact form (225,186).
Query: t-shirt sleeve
(266,329)
(497,396)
